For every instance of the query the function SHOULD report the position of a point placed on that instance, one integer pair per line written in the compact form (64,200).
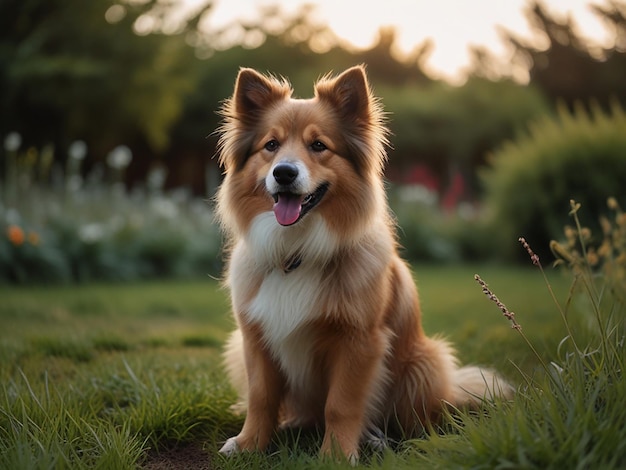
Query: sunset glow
(452,25)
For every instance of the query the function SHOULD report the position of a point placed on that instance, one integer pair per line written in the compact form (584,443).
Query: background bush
(577,155)
(426,233)
(451,128)
(103,233)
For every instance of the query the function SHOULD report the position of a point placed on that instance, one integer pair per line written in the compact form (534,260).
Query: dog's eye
(318,146)
(272,145)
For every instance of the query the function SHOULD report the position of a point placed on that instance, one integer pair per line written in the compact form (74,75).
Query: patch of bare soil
(187,457)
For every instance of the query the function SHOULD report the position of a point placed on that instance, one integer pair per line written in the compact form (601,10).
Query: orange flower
(15,235)
(33,238)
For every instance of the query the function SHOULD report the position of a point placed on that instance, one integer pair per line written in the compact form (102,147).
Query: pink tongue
(287,209)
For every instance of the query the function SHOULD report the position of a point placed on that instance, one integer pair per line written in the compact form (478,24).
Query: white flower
(120,157)
(91,233)
(12,142)
(77,150)
(12,216)
(164,208)
(156,177)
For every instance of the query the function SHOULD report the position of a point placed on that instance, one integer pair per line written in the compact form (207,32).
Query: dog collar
(292,263)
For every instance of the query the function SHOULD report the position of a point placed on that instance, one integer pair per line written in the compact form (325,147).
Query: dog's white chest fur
(286,297)
(285,301)
(284,305)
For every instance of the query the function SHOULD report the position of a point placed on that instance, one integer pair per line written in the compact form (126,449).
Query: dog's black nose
(285,173)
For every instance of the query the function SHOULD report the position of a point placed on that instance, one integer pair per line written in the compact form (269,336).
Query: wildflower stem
(511,317)
(537,262)
(588,278)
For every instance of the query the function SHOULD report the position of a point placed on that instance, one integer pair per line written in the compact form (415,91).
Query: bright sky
(451,24)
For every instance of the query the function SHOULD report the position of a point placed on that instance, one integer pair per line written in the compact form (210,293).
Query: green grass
(128,375)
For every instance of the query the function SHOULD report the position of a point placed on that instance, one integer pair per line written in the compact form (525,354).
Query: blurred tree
(452,129)
(276,43)
(615,17)
(111,72)
(98,70)
(569,69)
(386,66)
(293,45)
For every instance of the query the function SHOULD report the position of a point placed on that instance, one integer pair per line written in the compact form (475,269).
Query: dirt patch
(190,457)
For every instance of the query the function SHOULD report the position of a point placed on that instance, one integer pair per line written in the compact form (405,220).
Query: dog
(329,322)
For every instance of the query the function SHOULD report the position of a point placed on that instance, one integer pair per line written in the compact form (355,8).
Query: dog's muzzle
(290,205)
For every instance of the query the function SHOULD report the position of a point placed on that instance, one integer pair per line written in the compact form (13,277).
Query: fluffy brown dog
(329,319)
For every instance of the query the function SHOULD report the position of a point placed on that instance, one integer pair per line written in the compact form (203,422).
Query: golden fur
(329,319)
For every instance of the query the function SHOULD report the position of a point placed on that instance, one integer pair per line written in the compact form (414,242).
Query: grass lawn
(128,375)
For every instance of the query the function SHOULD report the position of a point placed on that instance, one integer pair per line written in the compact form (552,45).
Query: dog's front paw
(230,447)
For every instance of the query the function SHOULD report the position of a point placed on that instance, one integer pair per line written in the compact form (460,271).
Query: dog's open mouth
(289,208)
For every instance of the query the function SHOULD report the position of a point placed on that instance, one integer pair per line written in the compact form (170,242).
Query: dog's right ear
(255,92)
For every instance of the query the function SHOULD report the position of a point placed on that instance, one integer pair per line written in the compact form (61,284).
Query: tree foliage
(570,69)
(452,129)
(113,72)
(67,73)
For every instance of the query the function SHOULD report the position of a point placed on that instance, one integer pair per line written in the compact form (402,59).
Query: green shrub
(48,235)
(450,128)
(579,155)
(421,234)
(426,233)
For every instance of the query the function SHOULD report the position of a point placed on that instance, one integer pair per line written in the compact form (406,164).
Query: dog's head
(294,156)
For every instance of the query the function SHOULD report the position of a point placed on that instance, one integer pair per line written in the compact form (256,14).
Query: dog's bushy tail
(473,385)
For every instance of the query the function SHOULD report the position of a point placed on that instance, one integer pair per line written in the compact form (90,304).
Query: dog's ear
(361,116)
(349,93)
(255,92)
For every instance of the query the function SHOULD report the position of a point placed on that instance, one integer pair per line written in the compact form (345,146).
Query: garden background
(109,252)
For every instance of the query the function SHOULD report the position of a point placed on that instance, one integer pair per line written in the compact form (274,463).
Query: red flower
(15,235)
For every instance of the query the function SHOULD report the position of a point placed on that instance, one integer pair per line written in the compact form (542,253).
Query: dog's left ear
(361,115)
(349,93)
